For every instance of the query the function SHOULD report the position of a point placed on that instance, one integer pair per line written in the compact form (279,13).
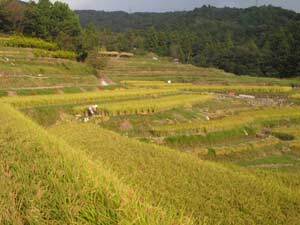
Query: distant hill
(120,21)
(262,17)
(257,41)
(262,41)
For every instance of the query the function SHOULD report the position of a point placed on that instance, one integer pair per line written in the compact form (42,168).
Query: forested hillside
(262,41)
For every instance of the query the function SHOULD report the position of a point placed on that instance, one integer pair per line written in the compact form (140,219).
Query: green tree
(90,38)
(152,41)
(280,48)
(5,23)
(55,22)
(64,19)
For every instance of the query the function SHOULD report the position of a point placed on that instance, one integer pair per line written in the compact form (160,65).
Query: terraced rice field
(212,88)
(166,177)
(147,69)
(37,101)
(150,106)
(154,153)
(244,119)
(20,69)
(45,180)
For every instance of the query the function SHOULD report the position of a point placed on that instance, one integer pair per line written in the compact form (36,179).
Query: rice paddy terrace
(210,148)
(34,67)
(149,68)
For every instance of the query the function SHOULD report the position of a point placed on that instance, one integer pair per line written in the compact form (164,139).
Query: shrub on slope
(60,54)
(214,194)
(44,181)
(27,42)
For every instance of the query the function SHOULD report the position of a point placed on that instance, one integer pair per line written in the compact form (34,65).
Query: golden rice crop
(296,96)
(156,84)
(241,89)
(82,98)
(211,88)
(241,148)
(210,192)
(150,105)
(295,146)
(45,181)
(231,122)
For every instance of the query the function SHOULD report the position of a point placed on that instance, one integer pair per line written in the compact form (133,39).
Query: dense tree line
(46,20)
(262,41)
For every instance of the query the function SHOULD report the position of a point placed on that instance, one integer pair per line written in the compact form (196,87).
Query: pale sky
(172,5)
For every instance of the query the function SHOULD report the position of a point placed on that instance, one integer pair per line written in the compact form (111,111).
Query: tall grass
(45,181)
(212,193)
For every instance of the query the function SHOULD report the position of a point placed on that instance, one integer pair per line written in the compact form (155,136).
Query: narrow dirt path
(82,89)
(60,91)
(11,93)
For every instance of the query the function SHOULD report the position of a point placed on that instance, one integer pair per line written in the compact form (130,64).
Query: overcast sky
(172,5)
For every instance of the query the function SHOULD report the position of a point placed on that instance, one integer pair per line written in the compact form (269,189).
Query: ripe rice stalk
(82,98)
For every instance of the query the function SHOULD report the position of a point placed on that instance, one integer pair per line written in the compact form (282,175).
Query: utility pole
(256,3)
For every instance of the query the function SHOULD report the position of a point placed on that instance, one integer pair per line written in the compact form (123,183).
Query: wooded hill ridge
(120,21)
(255,41)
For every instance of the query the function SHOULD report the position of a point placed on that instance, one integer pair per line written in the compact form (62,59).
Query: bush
(55,54)
(81,56)
(26,42)
(3,93)
(96,61)
(211,152)
(283,136)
